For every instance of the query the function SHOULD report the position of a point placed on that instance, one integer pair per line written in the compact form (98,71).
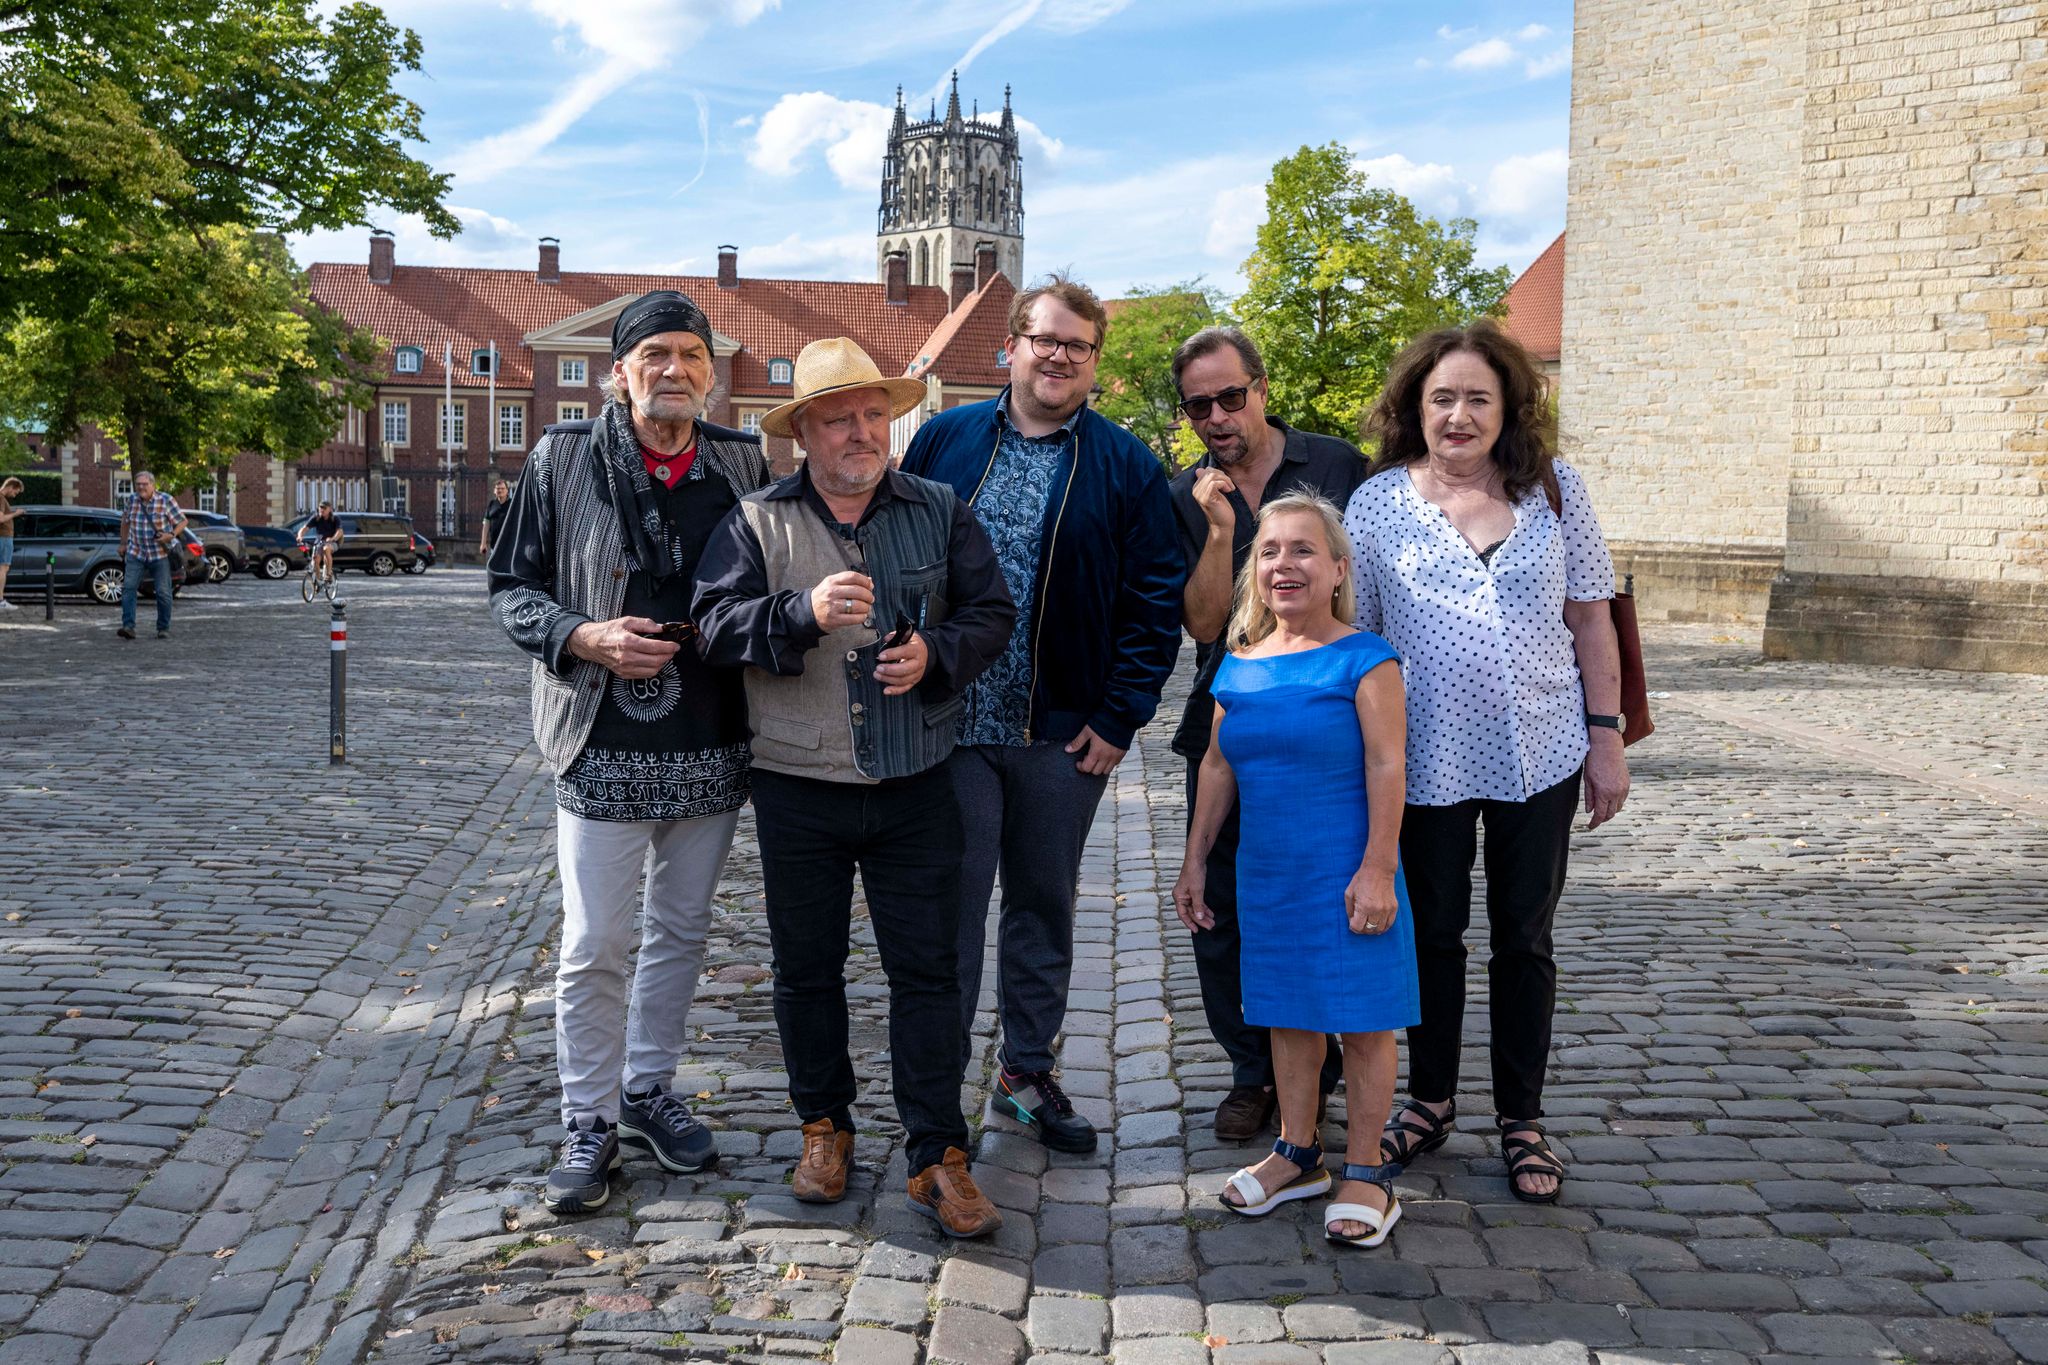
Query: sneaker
(947,1194)
(581,1180)
(1035,1099)
(125,633)
(163,635)
(665,1126)
(820,1175)
(6,605)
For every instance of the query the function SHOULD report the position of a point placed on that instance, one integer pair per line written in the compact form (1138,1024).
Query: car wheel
(219,567)
(383,564)
(418,565)
(276,566)
(105,584)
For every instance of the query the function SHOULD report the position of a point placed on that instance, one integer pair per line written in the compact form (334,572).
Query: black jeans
(1219,965)
(1526,847)
(904,838)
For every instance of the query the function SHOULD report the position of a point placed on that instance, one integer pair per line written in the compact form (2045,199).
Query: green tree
(1343,275)
(1136,370)
(146,148)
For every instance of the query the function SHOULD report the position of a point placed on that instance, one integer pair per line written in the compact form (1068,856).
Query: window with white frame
(571,369)
(397,422)
(406,360)
(480,361)
(209,497)
(570,412)
(452,423)
(124,489)
(750,422)
(781,371)
(395,494)
(445,499)
(511,426)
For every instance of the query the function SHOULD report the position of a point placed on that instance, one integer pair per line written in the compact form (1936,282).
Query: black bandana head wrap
(663,310)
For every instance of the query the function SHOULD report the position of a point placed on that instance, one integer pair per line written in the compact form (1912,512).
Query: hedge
(38,485)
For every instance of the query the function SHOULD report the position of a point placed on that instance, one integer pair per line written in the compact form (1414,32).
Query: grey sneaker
(581,1180)
(665,1126)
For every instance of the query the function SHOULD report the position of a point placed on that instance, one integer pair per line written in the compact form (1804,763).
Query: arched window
(924,263)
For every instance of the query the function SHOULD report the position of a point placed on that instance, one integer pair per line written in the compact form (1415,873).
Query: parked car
(227,550)
(274,552)
(86,544)
(422,554)
(378,543)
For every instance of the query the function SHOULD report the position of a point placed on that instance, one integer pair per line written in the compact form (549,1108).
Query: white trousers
(603,1041)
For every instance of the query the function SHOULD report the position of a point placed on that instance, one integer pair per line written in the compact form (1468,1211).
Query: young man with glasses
(1249,459)
(1078,512)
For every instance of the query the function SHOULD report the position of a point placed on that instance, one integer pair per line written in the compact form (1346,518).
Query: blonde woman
(1309,738)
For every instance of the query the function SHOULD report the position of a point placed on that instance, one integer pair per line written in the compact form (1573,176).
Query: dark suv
(86,543)
(227,550)
(379,543)
(273,551)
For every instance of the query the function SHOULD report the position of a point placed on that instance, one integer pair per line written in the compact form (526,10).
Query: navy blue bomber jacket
(1106,619)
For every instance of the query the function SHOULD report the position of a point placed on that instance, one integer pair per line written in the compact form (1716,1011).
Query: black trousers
(1526,847)
(1220,968)
(903,836)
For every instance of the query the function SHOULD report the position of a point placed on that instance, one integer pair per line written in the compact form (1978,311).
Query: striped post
(337,685)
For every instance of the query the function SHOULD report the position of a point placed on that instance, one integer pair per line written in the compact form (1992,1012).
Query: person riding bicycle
(324,528)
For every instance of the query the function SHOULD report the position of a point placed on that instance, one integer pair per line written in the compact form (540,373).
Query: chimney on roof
(897,287)
(550,271)
(984,263)
(383,252)
(728,267)
(963,283)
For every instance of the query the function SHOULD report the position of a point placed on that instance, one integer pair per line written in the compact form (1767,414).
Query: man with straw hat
(860,601)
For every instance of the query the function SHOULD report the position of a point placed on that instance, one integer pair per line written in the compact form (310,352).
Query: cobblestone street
(276,1056)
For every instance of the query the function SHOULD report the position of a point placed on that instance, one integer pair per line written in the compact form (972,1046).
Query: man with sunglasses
(860,601)
(1078,511)
(1250,458)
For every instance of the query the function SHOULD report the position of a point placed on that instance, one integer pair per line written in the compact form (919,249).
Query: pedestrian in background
(1249,459)
(9,491)
(150,525)
(860,600)
(1308,744)
(494,515)
(592,577)
(1478,556)
(1078,511)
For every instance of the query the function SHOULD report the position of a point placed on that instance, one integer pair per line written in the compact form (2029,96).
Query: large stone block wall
(1680,299)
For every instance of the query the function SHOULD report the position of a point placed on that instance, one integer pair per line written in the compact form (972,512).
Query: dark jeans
(1219,965)
(1026,811)
(904,838)
(159,571)
(1527,843)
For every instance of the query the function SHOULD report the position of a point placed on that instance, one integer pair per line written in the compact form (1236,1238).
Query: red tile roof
(963,349)
(1535,303)
(468,308)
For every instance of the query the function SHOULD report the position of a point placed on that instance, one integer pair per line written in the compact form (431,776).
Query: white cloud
(1434,188)
(1234,219)
(1452,35)
(1484,56)
(1113,230)
(633,38)
(1523,189)
(486,240)
(1064,17)
(1029,134)
(745,121)
(1550,65)
(854,134)
(846,256)
(1530,33)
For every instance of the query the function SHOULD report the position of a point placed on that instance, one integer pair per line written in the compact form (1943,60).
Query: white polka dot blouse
(1496,710)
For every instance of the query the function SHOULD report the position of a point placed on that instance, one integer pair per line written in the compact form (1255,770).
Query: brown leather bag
(1635,687)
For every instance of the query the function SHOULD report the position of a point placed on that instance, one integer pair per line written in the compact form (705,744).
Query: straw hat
(837,365)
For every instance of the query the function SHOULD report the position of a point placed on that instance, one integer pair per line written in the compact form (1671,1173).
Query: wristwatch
(1605,722)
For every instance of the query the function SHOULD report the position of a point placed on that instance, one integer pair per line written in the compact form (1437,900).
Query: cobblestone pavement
(278,1067)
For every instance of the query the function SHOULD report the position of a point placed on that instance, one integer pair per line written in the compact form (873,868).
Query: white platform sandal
(1381,1221)
(1313,1181)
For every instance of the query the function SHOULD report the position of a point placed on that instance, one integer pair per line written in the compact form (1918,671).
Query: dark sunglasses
(1230,400)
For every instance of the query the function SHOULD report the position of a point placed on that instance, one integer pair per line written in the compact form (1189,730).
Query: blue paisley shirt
(1012,505)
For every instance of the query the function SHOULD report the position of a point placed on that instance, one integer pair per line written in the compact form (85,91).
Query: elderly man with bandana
(591,575)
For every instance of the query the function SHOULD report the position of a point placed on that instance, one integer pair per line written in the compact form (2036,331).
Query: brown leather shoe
(1244,1113)
(947,1194)
(821,1171)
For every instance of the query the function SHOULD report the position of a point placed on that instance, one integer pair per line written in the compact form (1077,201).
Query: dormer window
(781,371)
(480,362)
(406,360)
(1002,358)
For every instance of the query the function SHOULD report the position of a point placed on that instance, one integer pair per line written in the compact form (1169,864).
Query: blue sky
(644,133)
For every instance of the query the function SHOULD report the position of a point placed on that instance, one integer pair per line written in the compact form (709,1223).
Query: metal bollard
(49,585)
(337,685)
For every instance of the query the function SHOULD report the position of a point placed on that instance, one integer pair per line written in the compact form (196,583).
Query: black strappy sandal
(1401,1141)
(1528,1156)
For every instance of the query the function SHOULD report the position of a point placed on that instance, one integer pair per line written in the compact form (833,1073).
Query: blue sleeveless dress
(1290,731)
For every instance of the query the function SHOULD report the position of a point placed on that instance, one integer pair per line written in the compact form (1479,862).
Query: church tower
(947,184)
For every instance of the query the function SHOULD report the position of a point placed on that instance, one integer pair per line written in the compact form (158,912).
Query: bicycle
(316,581)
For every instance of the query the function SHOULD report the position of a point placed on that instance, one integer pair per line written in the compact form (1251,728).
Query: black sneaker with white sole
(581,1179)
(664,1125)
(1035,1098)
